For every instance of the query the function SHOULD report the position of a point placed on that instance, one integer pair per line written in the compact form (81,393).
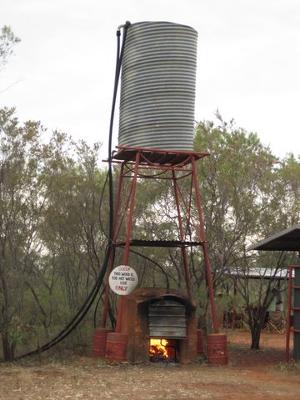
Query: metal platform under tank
(157,157)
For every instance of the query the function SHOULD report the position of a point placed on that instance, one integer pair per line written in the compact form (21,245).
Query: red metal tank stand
(145,163)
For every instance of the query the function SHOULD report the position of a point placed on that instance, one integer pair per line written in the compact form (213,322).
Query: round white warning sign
(123,280)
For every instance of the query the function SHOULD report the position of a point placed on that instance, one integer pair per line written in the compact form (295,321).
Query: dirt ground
(251,375)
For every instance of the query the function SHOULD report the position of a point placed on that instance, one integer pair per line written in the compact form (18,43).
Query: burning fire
(158,349)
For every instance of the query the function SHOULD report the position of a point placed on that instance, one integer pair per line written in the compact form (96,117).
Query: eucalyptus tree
(7,43)
(236,181)
(21,203)
(248,194)
(71,228)
(51,243)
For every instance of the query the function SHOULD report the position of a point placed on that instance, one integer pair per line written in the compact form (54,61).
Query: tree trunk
(255,338)
(257,322)
(8,348)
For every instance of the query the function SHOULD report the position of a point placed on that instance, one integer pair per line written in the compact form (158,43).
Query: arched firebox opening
(167,326)
(161,326)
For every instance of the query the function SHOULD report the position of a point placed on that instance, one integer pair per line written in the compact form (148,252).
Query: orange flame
(158,348)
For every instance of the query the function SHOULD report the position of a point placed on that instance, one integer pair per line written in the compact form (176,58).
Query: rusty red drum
(116,346)
(200,339)
(217,349)
(99,342)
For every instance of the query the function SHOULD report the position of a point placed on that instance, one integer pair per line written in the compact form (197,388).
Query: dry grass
(88,378)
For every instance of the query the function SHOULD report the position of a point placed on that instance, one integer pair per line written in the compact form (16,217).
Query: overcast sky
(248,62)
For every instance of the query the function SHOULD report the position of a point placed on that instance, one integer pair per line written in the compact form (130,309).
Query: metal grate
(167,319)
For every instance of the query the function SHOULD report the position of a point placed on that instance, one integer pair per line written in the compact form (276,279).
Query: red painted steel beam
(182,237)
(202,238)
(128,236)
(115,237)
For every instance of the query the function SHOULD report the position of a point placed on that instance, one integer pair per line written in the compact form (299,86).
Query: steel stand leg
(202,238)
(112,255)
(128,236)
(182,236)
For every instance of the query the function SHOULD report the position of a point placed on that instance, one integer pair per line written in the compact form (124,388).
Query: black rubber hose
(78,316)
(110,173)
(119,59)
(91,297)
(111,125)
(100,206)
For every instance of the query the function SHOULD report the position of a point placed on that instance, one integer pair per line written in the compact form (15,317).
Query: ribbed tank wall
(158,86)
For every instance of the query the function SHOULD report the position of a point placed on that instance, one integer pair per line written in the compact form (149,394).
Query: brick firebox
(135,323)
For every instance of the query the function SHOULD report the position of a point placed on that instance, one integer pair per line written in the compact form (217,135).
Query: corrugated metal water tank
(158,86)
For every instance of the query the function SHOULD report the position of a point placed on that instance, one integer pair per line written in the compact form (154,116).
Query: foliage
(52,233)
(248,194)
(7,43)
(51,244)
(236,181)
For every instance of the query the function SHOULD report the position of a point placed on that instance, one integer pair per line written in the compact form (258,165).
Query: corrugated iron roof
(286,240)
(260,273)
